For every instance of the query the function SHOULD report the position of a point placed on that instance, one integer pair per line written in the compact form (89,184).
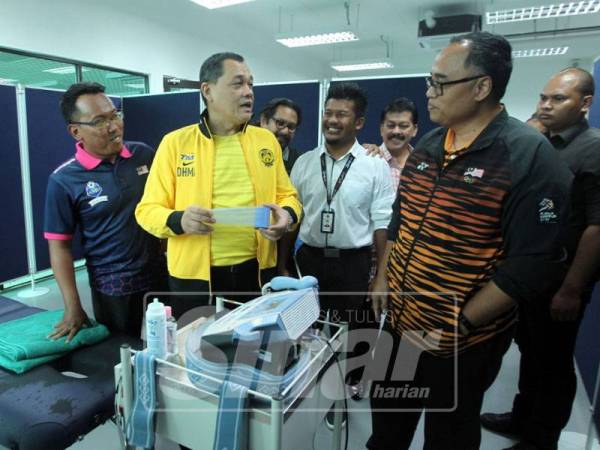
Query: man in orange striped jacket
(477,228)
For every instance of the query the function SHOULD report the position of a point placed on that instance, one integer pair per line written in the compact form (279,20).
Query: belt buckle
(331,252)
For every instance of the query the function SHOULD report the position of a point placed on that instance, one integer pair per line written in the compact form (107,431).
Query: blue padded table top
(45,410)
(12,309)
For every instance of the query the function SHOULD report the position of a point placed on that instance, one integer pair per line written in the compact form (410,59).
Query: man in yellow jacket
(222,162)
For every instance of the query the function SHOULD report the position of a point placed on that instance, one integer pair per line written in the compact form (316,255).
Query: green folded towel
(24,342)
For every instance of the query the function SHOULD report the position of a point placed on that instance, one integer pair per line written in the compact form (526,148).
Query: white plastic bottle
(171,333)
(156,329)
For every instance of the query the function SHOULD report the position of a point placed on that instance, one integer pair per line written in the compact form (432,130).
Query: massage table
(46,409)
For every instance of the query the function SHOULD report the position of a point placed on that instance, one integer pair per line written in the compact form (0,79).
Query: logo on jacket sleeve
(422,166)
(547,211)
(267,157)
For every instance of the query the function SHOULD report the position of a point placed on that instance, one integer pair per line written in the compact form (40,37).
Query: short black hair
(212,67)
(269,109)
(586,80)
(400,105)
(69,98)
(492,55)
(351,92)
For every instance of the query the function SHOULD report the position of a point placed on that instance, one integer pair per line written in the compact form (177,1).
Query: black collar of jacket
(484,140)
(204,128)
(491,132)
(568,134)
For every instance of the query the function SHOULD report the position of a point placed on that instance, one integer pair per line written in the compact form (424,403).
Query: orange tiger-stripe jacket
(497,211)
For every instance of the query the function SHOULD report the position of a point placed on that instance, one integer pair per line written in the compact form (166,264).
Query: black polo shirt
(579,147)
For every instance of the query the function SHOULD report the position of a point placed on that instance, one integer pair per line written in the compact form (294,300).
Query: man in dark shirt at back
(282,117)
(546,335)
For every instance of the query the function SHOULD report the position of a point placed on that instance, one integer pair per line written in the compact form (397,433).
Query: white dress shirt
(362,204)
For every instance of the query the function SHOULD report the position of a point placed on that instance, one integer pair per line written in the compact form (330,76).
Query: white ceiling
(250,29)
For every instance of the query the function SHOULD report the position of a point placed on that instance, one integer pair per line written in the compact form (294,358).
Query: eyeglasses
(102,122)
(281,124)
(438,86)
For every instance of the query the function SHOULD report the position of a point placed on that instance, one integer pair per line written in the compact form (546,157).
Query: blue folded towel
(140,426)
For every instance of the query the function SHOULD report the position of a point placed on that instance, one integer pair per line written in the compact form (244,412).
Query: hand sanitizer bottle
(156,329)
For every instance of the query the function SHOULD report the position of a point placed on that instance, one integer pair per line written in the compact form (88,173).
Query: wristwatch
(290,222)
(465,327)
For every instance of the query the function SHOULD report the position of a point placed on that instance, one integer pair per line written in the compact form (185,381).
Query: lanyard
(340,179)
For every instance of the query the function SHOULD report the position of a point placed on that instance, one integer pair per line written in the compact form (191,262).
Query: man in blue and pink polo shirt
(96,192)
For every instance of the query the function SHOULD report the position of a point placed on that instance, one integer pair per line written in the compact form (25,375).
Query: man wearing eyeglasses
(283,117)
(95,193)
(476,231)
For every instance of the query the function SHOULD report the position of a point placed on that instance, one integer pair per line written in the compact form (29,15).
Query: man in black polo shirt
(96,192)
(547,335)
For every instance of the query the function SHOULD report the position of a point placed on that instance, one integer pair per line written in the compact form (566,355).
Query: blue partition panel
(306,95)
(49,146)
(594,115)
(117,101)
(13,249)
(587,352)
(380,92)
(149,117)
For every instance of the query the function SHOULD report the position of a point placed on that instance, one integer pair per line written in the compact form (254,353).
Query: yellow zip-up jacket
(182,175)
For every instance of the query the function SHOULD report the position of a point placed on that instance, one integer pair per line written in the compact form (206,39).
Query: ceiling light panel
(350,67)
(135,85)
(317,39)
(533,52)
(214,4)
(64,70)
(543,12)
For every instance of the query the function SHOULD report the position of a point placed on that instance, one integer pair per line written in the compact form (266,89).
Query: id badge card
(327,221)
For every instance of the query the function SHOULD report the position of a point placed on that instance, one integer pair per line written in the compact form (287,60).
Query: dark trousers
(348,273)
(455,384)
(547,380)
(240,282)
(120,313)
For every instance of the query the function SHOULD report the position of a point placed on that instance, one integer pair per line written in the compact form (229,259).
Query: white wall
(98,33)
(110,33)
(528,79)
